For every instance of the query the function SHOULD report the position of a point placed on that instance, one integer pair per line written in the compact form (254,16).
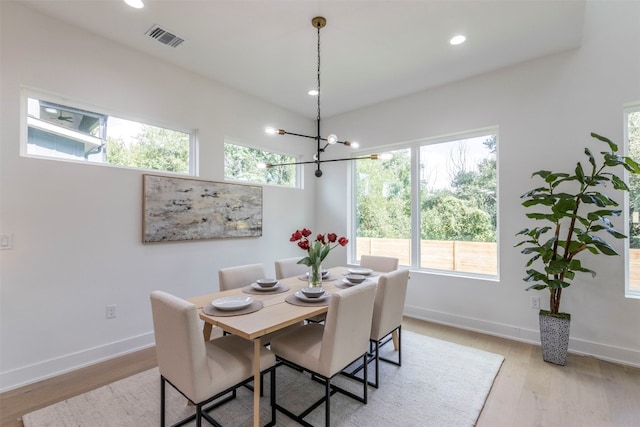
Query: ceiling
(371,51)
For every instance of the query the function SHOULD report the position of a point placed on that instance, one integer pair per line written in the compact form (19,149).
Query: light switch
(5,241)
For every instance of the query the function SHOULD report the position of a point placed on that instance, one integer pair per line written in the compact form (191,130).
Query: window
(65,132)
(383,206)
(449,221)
(243,164)
(632,136)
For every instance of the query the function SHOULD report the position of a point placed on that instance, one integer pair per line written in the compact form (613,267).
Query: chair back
(383,264)
(289,267)
(239,276)
(389,303)
(347,327)
(180,349)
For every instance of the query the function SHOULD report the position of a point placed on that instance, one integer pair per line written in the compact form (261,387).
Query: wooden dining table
(275,315)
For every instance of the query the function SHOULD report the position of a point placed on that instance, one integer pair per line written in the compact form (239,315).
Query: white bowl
(355,278)
(312,292)
(267,283)
(363,271)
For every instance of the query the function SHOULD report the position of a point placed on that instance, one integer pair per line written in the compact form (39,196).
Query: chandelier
(321,143)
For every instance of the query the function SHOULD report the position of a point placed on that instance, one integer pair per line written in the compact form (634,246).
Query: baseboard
(70,362)
(623,356)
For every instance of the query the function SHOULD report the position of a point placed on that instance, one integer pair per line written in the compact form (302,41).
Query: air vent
(164,36)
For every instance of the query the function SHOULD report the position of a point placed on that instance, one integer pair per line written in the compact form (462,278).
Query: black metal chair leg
(327,403)
(162,396)
(365,382)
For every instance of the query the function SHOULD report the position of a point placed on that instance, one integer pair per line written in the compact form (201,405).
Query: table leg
(257,347)
(394,336)
(206,331)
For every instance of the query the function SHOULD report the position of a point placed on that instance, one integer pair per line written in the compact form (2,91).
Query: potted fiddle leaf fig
(575,217)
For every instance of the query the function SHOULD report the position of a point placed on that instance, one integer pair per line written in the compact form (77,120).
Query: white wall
(77,228)
(545,110)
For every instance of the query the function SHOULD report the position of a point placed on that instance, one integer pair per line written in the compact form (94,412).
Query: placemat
(343,285)
(328,278)
(294,300)
(212,311)
(278,290)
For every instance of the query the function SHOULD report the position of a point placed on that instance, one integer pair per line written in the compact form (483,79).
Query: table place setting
(352,280)
(232,306)
(309,297)
(265,286)
(361,271)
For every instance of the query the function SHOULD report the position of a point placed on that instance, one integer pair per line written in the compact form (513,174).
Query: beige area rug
(438,384)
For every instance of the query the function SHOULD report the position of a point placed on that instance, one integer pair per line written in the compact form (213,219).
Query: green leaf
(612,145)
(579,172)
(618,183)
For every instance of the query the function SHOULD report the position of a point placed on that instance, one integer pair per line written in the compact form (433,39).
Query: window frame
(414,147)
(628,292)
(40,95)
(299,181)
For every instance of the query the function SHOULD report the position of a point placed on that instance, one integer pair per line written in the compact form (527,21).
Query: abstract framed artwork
(178,209)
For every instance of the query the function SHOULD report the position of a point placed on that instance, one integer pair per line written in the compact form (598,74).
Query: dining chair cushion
(289,267)
(240,276)
(231,357)
(382,264)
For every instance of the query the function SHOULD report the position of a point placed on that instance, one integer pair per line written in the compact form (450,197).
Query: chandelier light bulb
(138,4)
(456,40)
(332,139)
(270,131)
(261,165)
(313,92)
(385,156)
(355,144)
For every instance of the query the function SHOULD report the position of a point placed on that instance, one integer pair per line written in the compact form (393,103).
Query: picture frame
(183,209)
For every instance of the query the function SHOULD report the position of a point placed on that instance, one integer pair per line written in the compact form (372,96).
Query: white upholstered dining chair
(388,308)
(383,264)
(203,372)
(289,267)
(240,276)
(326,350)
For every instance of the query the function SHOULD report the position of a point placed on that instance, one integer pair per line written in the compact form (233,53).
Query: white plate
(303,297)
(257,287)
(347,282)
(363,271)
(232,303)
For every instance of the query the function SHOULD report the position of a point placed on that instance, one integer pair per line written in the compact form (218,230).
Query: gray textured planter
(554,336)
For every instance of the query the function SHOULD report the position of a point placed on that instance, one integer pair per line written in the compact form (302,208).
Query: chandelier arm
(369,157)
(299,134)
(313,137)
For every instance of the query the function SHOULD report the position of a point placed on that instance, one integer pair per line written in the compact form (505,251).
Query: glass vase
(315,275)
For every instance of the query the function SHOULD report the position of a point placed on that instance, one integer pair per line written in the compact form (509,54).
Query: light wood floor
(586,392)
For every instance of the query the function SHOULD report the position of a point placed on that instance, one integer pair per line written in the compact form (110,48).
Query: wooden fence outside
(468,257)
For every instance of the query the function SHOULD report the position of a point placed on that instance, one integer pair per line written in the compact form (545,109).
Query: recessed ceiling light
(456,40)
(313,92)
(138,4)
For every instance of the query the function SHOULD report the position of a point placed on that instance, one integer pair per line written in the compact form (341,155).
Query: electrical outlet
(534,302)
(111,311)
(6,241)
